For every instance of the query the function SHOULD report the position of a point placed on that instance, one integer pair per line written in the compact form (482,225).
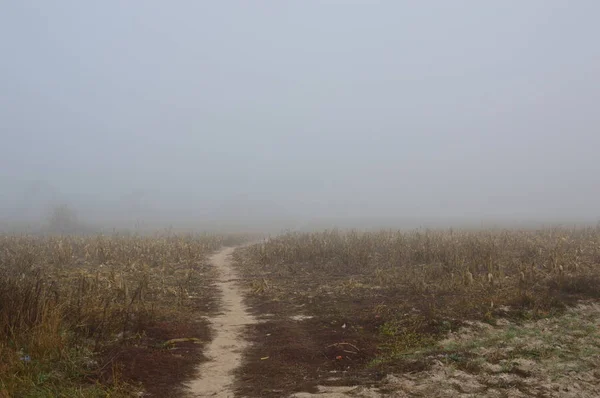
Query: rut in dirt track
(215,377)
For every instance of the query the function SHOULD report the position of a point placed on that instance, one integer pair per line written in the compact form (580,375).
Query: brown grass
(397,291)
(73,310)
(534,269)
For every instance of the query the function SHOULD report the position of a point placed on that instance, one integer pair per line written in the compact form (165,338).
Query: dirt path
(215,377)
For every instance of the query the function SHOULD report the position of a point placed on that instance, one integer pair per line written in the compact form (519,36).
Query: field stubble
(375,304)
(104,315)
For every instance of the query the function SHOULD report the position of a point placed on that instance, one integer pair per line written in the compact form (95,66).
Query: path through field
(215,377)
(552,357)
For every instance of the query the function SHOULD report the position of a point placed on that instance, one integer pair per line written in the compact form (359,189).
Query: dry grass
(69,304)
(550,357)
(533,269)
(392,292)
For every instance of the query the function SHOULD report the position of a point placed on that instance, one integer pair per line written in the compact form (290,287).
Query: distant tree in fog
(63,220)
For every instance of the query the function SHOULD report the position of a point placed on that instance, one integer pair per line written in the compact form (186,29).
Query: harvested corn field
(422,313)
(103,315)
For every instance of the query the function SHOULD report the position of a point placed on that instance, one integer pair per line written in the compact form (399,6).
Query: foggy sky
(303,110)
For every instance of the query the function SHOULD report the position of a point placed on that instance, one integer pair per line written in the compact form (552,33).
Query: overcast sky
(302,109)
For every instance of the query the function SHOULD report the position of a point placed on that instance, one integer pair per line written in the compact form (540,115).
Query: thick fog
(236,114)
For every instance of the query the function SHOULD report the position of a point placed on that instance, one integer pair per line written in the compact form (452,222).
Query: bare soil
(215,377)
(159,369)
(553,357)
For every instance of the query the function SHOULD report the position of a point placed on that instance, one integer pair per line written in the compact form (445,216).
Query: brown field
(351,308)
(341,313)
(86,317)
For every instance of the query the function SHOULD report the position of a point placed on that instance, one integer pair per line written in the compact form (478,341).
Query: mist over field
(298,115)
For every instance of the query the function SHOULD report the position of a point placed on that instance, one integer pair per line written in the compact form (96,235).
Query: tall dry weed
(62,298)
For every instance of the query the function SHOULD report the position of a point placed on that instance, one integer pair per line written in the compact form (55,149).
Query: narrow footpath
(215,377)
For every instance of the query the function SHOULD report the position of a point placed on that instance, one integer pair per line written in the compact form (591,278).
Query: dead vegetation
(550,357)
(110,315)
(94,316)
(387,294)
